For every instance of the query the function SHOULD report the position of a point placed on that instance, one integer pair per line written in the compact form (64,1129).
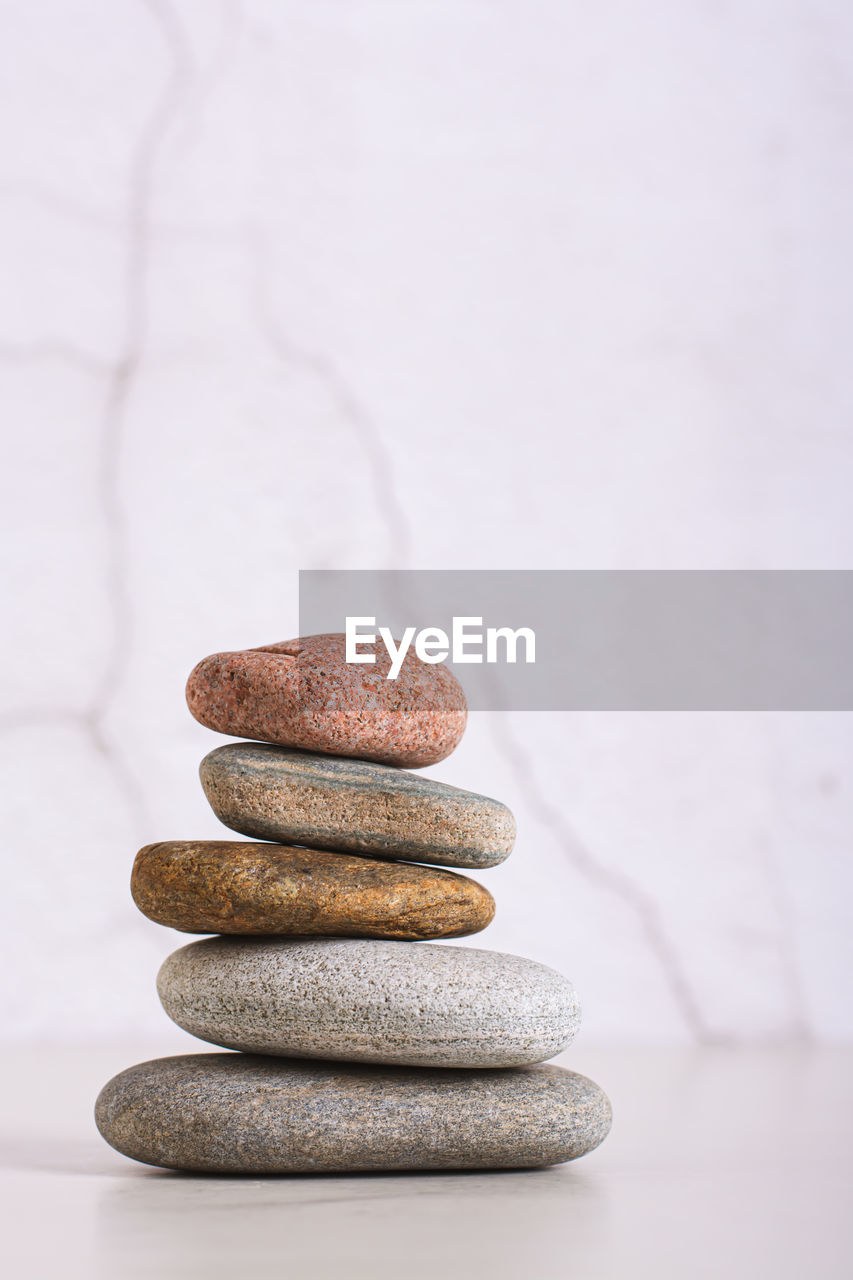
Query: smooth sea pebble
(399,1003)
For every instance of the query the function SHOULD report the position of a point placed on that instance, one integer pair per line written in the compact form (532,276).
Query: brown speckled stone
(222,886)
(358,806)
(231,1113)
(302,693)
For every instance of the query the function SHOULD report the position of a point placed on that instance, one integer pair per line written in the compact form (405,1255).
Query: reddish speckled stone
(302,693)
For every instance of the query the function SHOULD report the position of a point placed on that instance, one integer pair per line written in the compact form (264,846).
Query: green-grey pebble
(327,802)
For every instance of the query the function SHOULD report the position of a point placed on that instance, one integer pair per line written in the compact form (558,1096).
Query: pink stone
(303,694)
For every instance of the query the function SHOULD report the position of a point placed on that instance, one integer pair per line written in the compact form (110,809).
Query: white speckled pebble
(413,1004)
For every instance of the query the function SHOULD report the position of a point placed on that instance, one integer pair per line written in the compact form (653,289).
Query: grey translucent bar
(776,640)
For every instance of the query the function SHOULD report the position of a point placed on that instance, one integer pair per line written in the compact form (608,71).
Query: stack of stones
(358,1049)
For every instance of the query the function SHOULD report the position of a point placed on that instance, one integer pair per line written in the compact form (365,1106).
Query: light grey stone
(230,1113)
(417,1004)
(354,806)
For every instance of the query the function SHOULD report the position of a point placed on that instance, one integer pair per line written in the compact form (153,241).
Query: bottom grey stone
(235,1113)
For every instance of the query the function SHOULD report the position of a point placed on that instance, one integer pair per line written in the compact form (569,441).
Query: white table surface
(721,1163)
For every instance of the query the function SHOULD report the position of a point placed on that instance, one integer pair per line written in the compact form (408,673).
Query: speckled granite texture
(369,1001)
(223,886)
(229,1113)
(302,693)
(354,805)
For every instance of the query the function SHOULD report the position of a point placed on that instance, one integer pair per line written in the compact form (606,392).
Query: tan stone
(230,887)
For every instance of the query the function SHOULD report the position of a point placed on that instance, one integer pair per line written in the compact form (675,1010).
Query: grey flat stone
(230,1113)
(327,802)
(411,1003)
